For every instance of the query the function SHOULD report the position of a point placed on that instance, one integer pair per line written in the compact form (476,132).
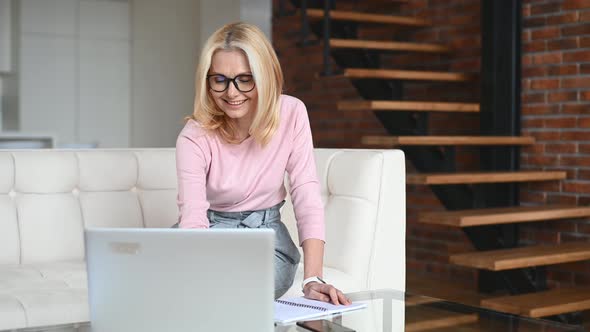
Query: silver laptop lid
(144,280)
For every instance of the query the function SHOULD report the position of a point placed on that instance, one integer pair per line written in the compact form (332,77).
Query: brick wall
(555,109)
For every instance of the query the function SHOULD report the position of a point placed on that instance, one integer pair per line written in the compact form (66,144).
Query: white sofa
(48,197)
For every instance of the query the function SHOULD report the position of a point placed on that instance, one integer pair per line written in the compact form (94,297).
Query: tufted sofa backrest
(48,197)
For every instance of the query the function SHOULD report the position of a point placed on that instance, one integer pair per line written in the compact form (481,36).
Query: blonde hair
(267,74)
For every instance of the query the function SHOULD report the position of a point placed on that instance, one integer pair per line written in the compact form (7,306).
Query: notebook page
(299,308)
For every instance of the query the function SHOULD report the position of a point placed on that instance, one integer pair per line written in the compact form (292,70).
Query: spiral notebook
(296,309)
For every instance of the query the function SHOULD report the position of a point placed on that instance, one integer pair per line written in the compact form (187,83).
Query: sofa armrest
(387,268)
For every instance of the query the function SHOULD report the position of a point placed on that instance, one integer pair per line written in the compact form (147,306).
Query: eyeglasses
(220,83)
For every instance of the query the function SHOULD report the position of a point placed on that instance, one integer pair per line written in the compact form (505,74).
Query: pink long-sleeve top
(213,174)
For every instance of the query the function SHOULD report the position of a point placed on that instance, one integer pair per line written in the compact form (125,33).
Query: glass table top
(392,311)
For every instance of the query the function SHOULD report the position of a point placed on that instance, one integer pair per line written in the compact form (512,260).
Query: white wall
(74,70)
(258,12)
(167,40)
(114,72)
(5,35)
(164,54)
(5,48)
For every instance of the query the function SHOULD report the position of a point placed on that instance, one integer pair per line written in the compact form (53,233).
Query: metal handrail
(327,34)
(327,31)
(304,24)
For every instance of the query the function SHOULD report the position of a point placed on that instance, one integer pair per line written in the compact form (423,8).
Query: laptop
(148,280)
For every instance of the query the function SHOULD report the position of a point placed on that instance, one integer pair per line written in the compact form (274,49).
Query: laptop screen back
(180,280)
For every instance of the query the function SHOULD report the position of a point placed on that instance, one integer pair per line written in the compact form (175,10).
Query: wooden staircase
(538,304)
(387,46)
(421,318)
(365,18)
(414,106)
(497,216)
(393,141)
(410,75)
(483,177)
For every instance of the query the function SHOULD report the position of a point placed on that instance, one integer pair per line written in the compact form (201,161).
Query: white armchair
(48,197)
(364,199)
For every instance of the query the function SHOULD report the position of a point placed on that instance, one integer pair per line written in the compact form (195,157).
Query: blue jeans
(287,255)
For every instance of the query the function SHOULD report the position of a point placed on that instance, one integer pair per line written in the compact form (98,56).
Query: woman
(234,150)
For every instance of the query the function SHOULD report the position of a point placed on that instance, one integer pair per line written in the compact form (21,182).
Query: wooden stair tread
(339,15)
(390,105)
(388,45)
(541,304)
(361,73)
(505,259)
(436,288)
(448,140)
(483,177)
(412,300)
(423,318)
(492,216)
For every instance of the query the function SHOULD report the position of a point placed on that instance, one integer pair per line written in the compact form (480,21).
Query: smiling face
(239,106)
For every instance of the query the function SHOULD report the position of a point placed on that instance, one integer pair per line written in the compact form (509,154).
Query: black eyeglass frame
(233,80)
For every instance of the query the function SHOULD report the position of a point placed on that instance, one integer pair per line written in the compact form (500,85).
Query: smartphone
(323,326)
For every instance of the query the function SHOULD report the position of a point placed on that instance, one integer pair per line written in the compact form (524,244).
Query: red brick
(525,36)
(553,97)
(531,98)
(563,44)
(575,136)
(584,42)
(545,8)
(585,95)
(547,58)
(585,16)
(549,186)
(560,199)
(585,176)
(576,187)
(584,122)
(539,109)
(562,18)
(545,33)
(546,135)
(575,82)
(574,108)
(535,71)
(561,148)
(535,46)
(530,197)
(533,123)
(469,42)
(560,122)
(563,70)
(579,29)
(585,68)
(575,4)
(541,160)
(527,60)
(579,56)
(544,84)
(526,84)
(533,22)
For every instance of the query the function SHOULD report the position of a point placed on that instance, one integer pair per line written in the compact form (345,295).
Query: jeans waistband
(252,219)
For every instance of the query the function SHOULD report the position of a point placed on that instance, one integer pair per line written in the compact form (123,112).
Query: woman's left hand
(326,293)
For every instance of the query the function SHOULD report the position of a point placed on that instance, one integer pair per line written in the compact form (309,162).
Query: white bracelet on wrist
(311,279)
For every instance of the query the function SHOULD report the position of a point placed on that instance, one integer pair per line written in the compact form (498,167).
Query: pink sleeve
(305,187)
(191,170)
